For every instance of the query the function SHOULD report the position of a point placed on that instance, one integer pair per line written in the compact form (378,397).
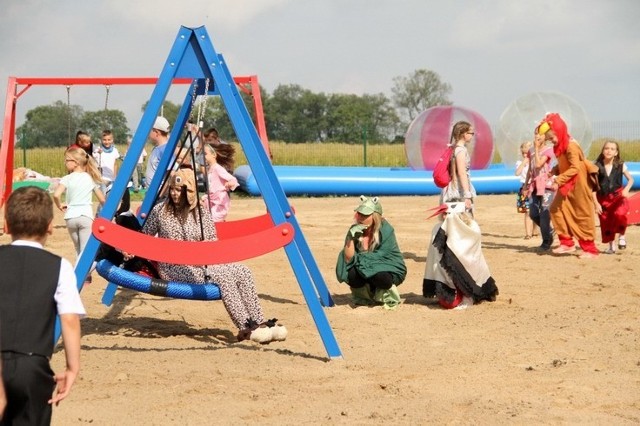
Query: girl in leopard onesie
(178,219)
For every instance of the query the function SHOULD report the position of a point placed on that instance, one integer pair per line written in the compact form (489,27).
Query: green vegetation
(49,161)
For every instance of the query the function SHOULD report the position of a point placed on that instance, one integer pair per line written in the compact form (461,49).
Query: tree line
(293,114)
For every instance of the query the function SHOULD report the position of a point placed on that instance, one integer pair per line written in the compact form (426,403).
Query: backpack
(442,170)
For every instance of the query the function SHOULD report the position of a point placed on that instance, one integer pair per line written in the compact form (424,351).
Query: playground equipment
(193,57)
(18,86)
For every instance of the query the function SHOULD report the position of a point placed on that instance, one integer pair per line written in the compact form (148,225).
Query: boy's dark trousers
(29,384)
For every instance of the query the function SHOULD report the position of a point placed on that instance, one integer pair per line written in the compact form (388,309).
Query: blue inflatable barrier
(155,286)
(312,180)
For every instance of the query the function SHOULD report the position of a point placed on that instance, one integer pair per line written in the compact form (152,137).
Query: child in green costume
(371,262)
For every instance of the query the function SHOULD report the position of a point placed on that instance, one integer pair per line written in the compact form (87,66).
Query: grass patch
(50,161)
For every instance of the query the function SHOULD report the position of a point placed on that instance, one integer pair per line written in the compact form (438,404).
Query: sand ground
(559,346)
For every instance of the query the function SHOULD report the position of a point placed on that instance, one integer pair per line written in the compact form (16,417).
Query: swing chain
(106,99)
(69,113)
(202,106)
(193,98)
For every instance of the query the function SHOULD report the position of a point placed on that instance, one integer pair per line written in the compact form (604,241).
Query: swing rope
(202,107)
(189,137)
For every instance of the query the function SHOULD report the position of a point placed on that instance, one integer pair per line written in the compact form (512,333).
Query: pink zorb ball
(430,132)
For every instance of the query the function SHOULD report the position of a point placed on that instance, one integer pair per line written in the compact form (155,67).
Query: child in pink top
(220,182)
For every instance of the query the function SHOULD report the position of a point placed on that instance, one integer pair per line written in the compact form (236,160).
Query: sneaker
(622,243)
(543,249)
(562,249)
(610,250)
(588,255)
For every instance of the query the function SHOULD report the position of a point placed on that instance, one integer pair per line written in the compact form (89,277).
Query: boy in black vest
(35,286)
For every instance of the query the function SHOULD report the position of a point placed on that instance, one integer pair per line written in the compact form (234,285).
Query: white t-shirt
(107,162)
(79,192)
(66,296)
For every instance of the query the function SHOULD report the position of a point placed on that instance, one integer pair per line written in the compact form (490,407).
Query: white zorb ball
(519,120)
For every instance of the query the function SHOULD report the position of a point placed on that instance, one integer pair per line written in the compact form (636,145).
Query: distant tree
(384,120)
(294,114)
(94,122)
(419,91)
(216,115)
(352,118)
(50,125)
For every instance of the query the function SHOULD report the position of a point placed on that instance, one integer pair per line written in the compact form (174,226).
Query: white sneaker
(622,243)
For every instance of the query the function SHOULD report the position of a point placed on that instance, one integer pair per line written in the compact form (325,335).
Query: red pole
(8,138)
(260,124)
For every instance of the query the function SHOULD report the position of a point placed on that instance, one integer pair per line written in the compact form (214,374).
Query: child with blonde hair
(522,202)
(84,180)
(460,188)
(370,261)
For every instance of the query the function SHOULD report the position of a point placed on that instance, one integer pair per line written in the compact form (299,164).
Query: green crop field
(49,161)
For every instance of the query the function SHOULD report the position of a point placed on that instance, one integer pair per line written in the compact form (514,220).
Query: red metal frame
(248,84)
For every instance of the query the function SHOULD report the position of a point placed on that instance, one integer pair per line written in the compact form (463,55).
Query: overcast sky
(490,51)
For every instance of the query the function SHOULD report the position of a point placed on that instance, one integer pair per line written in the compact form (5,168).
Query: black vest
(611,183)
(28,282)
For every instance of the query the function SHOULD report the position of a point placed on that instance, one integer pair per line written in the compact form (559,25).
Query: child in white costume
(456,272)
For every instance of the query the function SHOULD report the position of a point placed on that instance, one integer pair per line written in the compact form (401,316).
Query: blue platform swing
(112,236)
(193,56)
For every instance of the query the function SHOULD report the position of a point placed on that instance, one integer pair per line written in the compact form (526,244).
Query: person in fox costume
(572,210)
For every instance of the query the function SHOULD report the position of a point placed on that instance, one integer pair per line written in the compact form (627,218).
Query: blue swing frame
(193,56)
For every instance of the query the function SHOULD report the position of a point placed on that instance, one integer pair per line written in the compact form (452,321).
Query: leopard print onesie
(237,286)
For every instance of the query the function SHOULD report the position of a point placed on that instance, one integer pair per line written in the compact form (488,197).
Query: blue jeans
(540,215)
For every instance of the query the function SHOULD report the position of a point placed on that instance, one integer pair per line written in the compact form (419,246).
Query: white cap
(161,124)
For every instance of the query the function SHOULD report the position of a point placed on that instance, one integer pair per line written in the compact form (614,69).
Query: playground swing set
(192,60)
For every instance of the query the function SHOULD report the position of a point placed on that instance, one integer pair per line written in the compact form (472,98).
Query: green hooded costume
(385,258)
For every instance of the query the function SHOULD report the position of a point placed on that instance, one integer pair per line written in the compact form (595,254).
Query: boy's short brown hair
(28,212)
